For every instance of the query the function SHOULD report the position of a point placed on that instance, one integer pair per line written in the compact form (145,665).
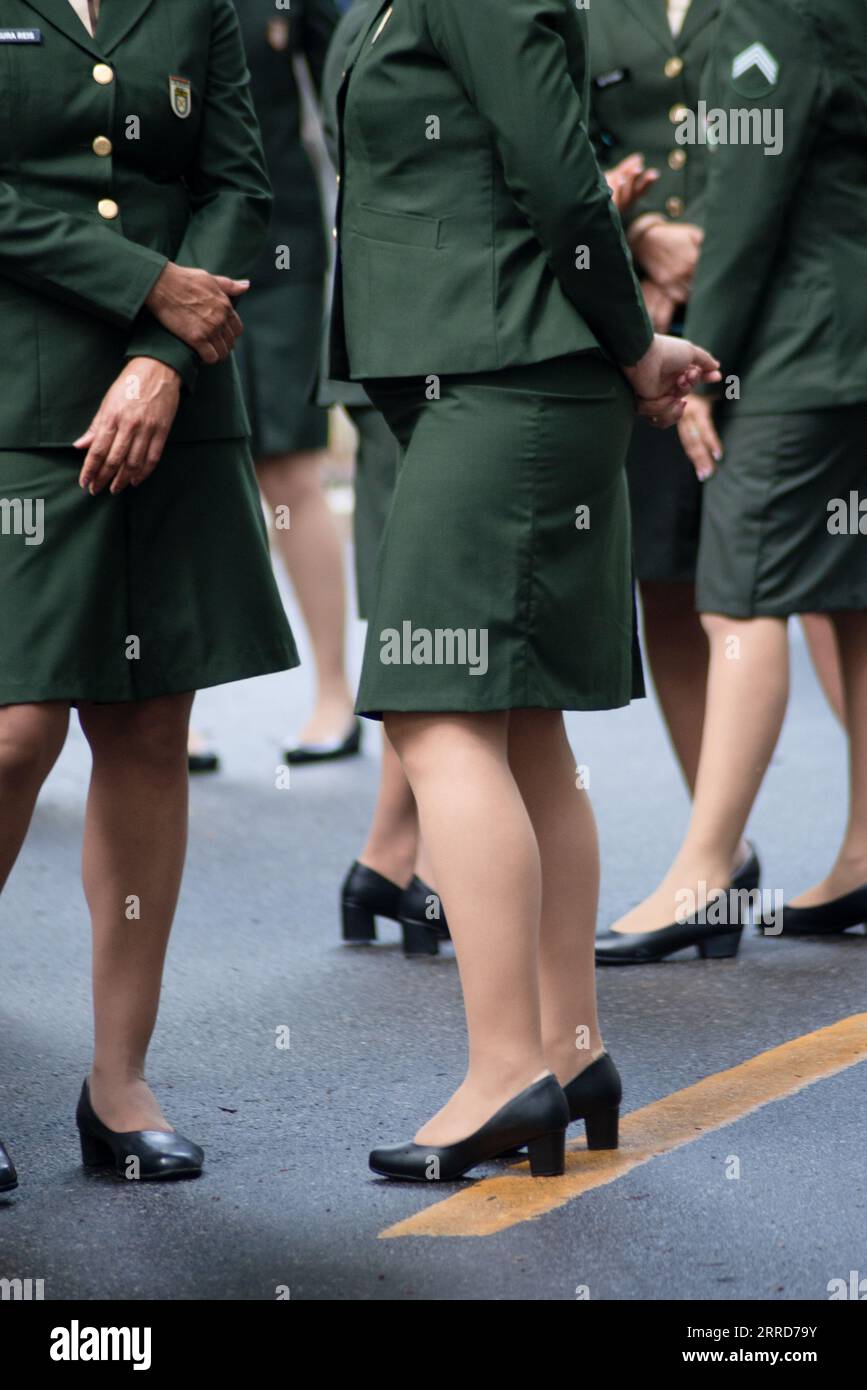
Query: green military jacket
(117,154)
(274,39)
(356,15)
(476,229)
(643,78)
(780,294)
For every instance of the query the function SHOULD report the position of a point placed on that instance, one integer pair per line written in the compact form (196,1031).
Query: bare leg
(31,737)
(822,642)
(850,867)
(677,651)
(312,554)
(562,817)
(134,849)
(486,864)
(392,841)
(678,655)
(748,689)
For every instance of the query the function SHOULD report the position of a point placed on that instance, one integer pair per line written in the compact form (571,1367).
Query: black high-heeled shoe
(536,1118)
(594,1096)
(718,942)
(827,919)
(421,933)
(348,746)
(366,895)
(8,1175)
(158,1154)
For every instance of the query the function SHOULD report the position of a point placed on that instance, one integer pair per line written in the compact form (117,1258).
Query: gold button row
(103,74)
(102,146)
(674,67)
(108,208)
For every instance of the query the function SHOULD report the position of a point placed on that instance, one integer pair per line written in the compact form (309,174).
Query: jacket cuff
(152,340)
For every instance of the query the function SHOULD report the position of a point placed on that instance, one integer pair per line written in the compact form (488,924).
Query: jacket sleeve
(320,19)
(230,193)
(74,259)
(515,64)
(748,196)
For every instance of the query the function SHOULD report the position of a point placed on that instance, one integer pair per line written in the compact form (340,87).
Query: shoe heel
(94,1153)
(420,939)
(359,923)
(548,1154)
(602,1129)
(720,947)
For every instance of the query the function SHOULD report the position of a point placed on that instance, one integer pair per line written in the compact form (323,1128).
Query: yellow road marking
(494,1204)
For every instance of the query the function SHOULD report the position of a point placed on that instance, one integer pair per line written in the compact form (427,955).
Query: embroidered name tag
(611,79)
(20,35)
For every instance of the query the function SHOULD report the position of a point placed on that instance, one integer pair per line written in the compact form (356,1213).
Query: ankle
(394,862)
(567,1061)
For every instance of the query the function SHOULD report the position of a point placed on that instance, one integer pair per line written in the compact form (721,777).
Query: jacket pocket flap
(406,229)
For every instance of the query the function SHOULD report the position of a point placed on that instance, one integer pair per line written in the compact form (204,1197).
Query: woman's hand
(197,307)
(668,253)
(666,374)
(699,437)
(629,181)
(127,436)
(660,306)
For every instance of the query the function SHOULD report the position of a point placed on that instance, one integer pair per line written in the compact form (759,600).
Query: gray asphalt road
(377,1043)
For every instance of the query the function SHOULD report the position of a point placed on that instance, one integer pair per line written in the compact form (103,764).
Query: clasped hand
(666,375)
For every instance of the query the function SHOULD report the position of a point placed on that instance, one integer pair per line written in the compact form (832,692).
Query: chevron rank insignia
(755,71)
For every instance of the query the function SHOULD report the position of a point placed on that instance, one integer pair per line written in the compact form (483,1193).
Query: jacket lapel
(116,19)
(654,16)
(359,41)
(62,16)
(700,13)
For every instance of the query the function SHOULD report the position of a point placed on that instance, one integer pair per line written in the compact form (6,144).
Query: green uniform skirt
(780,532)
(278,358)
(162,589)
(376,465)
(665,496)
(504,578)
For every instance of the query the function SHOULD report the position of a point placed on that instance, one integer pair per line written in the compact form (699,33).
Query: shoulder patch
(755,71)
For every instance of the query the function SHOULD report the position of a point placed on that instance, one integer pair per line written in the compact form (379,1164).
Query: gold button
(674,67)
(103,74)
(102,146)
(674,207)
(677,159)
(108,208)
(678,113)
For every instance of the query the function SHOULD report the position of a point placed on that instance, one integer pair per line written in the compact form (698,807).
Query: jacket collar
(653,15)
(116,18)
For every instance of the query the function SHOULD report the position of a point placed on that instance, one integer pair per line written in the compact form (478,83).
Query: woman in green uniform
(279,357)
(133,561)
(783,527)
(647,64)
(485,297)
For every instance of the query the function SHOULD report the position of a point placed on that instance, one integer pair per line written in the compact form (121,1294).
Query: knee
(149,732)
(31,737)
(715,626)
